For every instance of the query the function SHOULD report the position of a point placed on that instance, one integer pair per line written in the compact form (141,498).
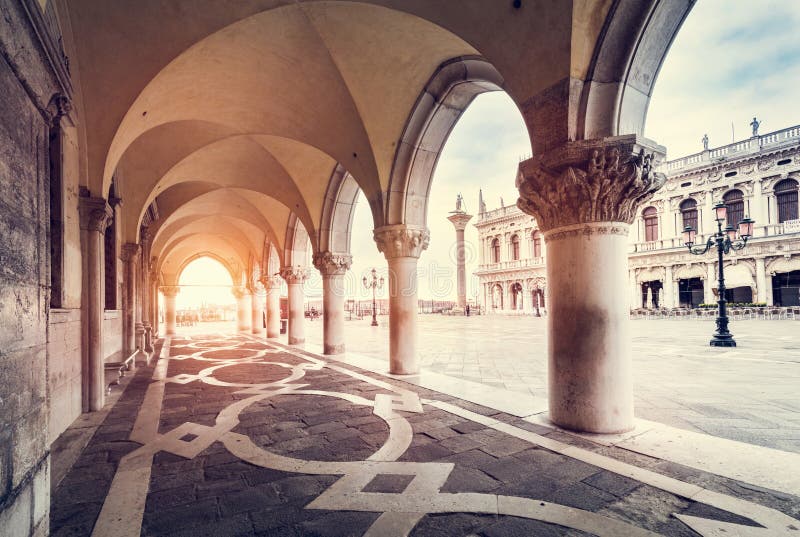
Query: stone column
(243,307)
(709,223)
(584,196)
(95,215)
(668,292)
(257,305)
(710,283)
(295,277)
(757,210)
(459,219)
(273,287)
(154,296)
(130,257)
(333,267)
(146,314)
(636,291)
(169,292)
(402,245)
(761,280)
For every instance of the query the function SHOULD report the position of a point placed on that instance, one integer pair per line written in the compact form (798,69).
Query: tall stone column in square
(459,219)
(243,307)
(130,257)
(402,245)
(295,277)
(272,285)
(170,292)
(584,196)
(332,267)
(95,215)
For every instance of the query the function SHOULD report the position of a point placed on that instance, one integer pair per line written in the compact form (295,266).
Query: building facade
(756,177)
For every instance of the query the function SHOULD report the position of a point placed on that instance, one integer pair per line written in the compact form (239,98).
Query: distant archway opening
(205,301)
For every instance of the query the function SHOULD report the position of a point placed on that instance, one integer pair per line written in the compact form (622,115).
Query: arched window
(537,244)
(786,196)
(515,247)
(689,212)
(734,201)
(496,250)
(650,224)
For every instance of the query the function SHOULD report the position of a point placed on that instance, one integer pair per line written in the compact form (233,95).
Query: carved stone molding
(401,240)
(130,252)
(170,290)
(294,275)
(95,214)
(240,291)
(603,180)
(332,264)
(587,230)
(270,282)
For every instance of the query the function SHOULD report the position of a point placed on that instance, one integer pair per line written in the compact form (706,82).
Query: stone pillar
(668,291)
(710,283)
(145,291)
(333,267)
(130,258)
(636,291)
(584,196)
(273,287)
(95,215)
(154,297)
(761,280)
(758,210)
(709,223)
(170,292)
(243,307)
(402,245)
(459,219)
(257,305)
(295,277)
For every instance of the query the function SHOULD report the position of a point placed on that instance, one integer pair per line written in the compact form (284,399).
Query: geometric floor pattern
(231,435)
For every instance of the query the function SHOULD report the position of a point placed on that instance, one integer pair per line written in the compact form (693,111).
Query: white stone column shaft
(761,280)
(333,267)
(257,308)
(295,277)
(710,283)
(273,300)
(130,258)
(243,308)
(170,293)
(668,291)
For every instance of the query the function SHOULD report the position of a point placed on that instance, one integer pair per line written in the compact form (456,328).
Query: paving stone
(582,496)
(388,483)
(200,513)
(426,453)
(463,479)
(303,486)
(458,444)
(612,483)
(508,526)
(339,524)
(250,499)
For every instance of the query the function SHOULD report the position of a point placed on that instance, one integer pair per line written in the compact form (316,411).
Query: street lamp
(373,284)
(726,240)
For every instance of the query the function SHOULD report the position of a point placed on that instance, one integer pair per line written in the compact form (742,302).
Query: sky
(732,60)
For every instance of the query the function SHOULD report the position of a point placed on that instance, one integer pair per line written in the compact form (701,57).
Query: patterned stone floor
(229,435)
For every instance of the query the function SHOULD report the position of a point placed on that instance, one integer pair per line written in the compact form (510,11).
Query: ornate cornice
(332,264)
(401,240)
(170,290)
(294,275)
(95,214)
(603,180)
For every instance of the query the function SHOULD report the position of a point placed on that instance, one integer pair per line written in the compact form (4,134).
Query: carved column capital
(602,180)
(332,264)
(170,290)
(401,240)
(130,252)
(294,275)
(95,214)
(270,282)
(240,291)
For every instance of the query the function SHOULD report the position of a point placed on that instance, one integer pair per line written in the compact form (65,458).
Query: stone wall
(28,82)
(64,369)
(112,336)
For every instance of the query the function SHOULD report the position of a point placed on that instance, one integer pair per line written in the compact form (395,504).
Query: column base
(296,340)
(334,349)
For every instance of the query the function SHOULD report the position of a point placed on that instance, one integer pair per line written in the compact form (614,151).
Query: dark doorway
(690,292)
(739,294)
(655,289)
(786,288)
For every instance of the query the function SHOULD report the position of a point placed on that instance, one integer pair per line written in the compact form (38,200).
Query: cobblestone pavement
(749,393)
(228,435)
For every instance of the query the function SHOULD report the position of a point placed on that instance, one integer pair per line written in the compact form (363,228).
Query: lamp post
(373,284)
(725,240)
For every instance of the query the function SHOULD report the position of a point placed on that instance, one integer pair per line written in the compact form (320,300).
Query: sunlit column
(710,284)
(154,296)
(272,285)
(668,292)
(130,258)
(243,308)
(145,291)
(170,292)
(95,215)
(257,303)
(333,267)
(402,245)
(459,219)
(761,280)
(295,277)
(589,352)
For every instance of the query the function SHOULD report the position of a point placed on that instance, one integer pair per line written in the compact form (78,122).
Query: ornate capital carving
(130,252)
(603,180)
(294,274)
(240,291)
(270,282)
(401,240)
(331,264)
(170,290)
(95,214)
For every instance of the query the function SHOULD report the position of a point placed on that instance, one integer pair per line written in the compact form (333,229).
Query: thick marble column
(710,283)
(154,296)
(145,292)
(332,267)
(272,285)
(95,215)
(667,298)
(584,196)
(459,219)
(402,245)
(761,280)
(130,258)
(257,305)
(295,277)
(243,308)
(170,292)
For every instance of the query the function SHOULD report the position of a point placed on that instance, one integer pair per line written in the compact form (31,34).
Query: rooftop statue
(705,142)
(755,124)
